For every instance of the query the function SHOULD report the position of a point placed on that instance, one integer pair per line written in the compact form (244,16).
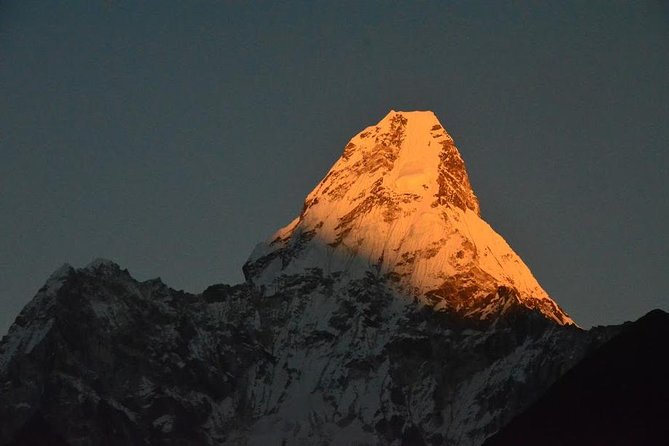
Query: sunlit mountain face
(387,313)
(398,204)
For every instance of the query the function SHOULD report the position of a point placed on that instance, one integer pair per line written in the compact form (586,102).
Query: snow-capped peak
(398,203)
(411,153)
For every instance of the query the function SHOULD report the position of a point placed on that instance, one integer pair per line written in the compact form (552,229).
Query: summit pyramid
(398,204)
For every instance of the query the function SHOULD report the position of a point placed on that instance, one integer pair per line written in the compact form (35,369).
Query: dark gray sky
(173,136)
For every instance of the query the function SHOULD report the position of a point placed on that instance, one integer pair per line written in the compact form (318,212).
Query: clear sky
(172,136)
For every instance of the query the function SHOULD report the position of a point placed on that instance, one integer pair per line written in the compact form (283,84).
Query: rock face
(388,312)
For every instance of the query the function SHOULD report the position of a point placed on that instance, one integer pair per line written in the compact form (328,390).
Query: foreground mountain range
(618,395)
(387,312)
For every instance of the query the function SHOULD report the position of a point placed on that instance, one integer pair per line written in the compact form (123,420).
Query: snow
(165,423)
(84,391)
(24,338)
(146,388)
(11,344)
(132,416)
(54,282)
(37,335)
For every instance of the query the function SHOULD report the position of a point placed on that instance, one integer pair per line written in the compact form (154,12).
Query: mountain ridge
(231,366)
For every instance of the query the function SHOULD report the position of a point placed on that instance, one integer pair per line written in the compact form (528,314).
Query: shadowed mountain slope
(618,395)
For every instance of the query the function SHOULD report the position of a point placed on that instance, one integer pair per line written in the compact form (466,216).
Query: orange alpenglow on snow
(398,203)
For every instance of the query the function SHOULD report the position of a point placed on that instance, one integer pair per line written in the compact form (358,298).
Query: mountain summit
(398,204)
(387,313)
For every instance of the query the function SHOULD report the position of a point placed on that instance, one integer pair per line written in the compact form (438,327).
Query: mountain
(618,395)
(387,312)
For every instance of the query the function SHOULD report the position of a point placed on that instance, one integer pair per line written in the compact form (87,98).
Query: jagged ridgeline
(387,312)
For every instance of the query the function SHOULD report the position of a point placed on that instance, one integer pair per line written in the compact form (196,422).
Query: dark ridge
(619,395)
(37,432)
